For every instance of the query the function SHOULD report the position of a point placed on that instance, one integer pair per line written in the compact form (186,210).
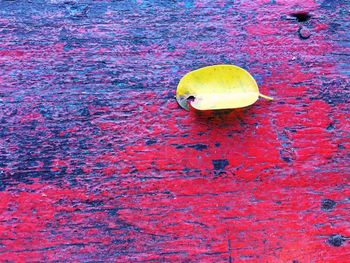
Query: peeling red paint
(98,162)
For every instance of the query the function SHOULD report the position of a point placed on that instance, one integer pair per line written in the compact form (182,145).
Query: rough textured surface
(99,163)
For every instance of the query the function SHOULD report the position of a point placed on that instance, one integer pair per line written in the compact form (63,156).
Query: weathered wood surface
(99,163)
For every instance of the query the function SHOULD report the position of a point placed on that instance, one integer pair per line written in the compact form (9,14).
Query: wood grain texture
(99,164)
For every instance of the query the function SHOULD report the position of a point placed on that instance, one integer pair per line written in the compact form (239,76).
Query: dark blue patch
(113,211)
(3,183)
(94,203)
(84,112)
(341,147)
(151,141)
(336,240)
(327,205)
(286,156)
(178,146)
(220,164)
(330,127)
(198,146)
(78,171)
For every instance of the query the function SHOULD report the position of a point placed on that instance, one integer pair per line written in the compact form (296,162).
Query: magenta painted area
(98,163)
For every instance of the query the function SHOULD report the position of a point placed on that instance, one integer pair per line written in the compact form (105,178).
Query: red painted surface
(99,163)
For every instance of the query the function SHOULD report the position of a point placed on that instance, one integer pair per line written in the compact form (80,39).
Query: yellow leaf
(218,87)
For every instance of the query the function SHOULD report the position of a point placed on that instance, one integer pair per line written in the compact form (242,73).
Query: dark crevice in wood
(301,16)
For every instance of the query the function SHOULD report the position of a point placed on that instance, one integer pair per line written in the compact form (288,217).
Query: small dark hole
(336,240)
(341,147)
(327,204)
(330,127)
(301,16)
(190,98)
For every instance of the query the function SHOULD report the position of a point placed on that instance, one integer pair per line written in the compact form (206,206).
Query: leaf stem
(265,97)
